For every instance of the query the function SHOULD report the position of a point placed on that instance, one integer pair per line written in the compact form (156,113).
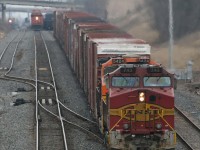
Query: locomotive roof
(36,12)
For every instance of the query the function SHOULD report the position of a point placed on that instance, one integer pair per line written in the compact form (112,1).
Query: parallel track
(10,51)
(44,81)
(190,139)
(50,134)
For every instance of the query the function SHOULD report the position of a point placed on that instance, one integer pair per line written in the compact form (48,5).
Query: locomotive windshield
(125,81)
(157,81)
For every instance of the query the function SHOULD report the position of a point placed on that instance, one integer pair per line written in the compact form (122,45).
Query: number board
(154,70)
(118,61)
(127,70)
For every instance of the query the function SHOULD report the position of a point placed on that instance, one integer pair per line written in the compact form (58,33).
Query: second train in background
(37,20)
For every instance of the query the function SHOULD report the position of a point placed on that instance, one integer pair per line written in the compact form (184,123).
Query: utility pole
(171,36)
(3,12)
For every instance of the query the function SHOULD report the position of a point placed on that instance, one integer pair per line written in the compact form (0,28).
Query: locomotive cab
(138,110)
(36,20)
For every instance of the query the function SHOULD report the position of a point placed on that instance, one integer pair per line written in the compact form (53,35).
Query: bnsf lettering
(144,112)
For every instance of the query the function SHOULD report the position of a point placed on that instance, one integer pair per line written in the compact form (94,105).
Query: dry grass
(185,49)
(119,8)
(138,24)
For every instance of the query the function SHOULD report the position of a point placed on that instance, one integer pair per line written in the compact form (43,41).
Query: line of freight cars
(130,95)
(39,22)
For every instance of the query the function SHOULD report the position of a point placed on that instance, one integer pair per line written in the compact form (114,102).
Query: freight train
(48,21)
(36,20)
(130,95)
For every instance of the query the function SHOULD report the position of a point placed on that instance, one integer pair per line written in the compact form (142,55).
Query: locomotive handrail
(169,126)
(118,121)
(126,112)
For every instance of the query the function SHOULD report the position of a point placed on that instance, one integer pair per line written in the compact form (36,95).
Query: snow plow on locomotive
(130,95)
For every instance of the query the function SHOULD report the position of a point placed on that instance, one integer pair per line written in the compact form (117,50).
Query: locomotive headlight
(158,126)
(141,96)
(36,18)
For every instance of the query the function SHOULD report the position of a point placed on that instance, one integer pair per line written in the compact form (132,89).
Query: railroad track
(45,88)
(9,51)
(187,131)
(50,133)
(7,60)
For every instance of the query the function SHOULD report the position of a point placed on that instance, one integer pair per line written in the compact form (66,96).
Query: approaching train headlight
(10,21)
(141,96)
(36,18)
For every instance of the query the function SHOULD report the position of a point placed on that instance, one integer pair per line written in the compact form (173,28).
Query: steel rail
(58,104)
(36,98)
(184,141)
(187,119)
(16,47)
(2,54)
(16,80)
(190,122)
(78,115)
(71,123)
(30,82)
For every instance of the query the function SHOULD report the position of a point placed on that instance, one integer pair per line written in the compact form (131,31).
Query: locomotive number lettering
(144,112)
(127,70)
(155,70)
(118,61)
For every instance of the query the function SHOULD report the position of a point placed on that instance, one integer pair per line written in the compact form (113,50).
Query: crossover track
(187,131)
(47,102)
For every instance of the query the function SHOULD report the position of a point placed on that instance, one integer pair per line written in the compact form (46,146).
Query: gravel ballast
(17,123)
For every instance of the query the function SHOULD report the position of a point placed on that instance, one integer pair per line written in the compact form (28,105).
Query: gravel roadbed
(17,123)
